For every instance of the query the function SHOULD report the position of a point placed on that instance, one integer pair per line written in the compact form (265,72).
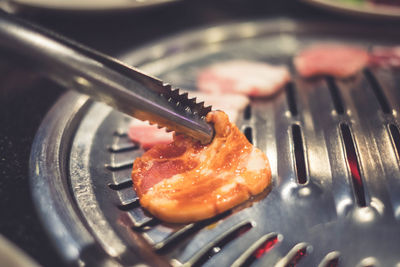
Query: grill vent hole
(291,98)
(130,206)
(352,162)
(261,250)
(294,255)
(380,96)
(335,94)
(332,263)
(297,257)
(248,132)
(247,112)
(394,132)
(299,154)
(120,186)
(178,237)
(222,243)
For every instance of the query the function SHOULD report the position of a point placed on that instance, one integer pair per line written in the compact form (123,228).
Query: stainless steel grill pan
(333,146)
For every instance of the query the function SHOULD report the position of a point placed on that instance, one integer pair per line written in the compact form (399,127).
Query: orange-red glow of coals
(355,172)
(299,255)
(357,180)
(265,247)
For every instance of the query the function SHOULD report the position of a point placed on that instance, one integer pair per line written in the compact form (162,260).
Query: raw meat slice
(185,181)
(148,135)
(231,104)
(385,56)
(243,77)
(331,59)
(222,101)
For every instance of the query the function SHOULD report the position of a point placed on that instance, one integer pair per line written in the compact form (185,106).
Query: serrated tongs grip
(104,79)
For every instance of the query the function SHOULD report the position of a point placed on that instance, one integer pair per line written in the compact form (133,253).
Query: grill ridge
(127,197)
(301,168)
(330,260)
(114,166)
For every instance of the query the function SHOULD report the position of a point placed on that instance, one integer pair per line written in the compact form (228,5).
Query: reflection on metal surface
(364,215)
(330,260)
(320,220)
(343,205)
(378,205)
(369,262)
(365,8)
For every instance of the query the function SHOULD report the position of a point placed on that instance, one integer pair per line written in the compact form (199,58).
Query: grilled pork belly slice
(185,181)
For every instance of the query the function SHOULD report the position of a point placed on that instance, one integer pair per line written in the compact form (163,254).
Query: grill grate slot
(294,256)
(383,102)
(300,163)
(247,113)
(177,236)
(395,134)
(218,244)
(291,99)
(120,186)
(174,237)
(248,132)
(353,164)
(257,250)
(336,96)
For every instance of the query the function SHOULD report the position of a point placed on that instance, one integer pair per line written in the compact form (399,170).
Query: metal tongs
(105,79)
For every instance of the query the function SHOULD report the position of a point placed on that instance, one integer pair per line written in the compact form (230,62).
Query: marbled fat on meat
(185,181)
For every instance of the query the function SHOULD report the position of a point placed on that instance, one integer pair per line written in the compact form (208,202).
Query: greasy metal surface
(316,222)
(364,8)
